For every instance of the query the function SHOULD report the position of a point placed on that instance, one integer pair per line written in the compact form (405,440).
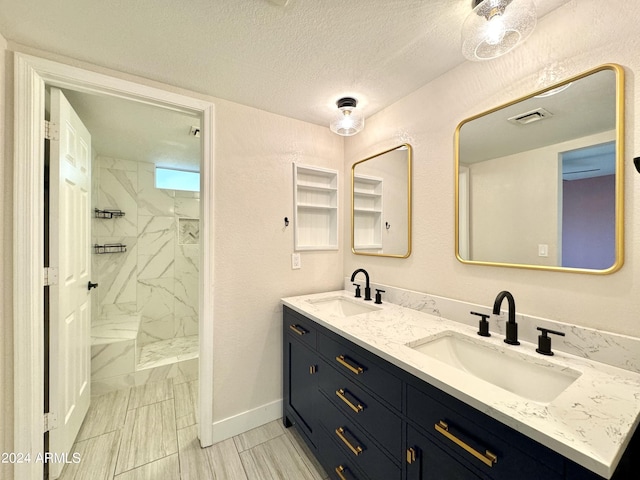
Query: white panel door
(70,253)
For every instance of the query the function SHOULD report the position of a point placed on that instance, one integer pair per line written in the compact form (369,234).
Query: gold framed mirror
(381,204)
(539,180)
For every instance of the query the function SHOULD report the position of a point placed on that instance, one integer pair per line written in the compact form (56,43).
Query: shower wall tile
(151,200)
(117,272)
(112,359)
(117,191)
(186,326)
(187,207)
(155,298)
(117,164)
(156,306)
(107,311)
(155,330)
(156,240)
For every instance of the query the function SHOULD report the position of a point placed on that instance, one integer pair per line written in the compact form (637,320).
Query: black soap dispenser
(483,326)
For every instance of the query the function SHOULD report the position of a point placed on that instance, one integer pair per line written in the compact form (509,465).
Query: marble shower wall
(157,277)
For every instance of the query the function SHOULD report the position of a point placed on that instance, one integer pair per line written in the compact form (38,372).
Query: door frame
(31,74)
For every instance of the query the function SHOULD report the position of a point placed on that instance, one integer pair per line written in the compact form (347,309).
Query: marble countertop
(590,422)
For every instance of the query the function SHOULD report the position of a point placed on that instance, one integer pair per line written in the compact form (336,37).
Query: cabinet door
(426,461)
(303,385)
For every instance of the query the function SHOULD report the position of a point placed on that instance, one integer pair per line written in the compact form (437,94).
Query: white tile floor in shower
(150,433)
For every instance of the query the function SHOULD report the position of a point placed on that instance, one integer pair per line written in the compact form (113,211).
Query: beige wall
(254,151)
(6,327)
(578,36)
(502,188)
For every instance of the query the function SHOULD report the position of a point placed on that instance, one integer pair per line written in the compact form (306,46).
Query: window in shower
(174,179)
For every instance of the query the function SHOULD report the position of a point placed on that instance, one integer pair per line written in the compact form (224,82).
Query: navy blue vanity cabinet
(338,464)
(426,461)
(361,407)
(300,369)
(471,439)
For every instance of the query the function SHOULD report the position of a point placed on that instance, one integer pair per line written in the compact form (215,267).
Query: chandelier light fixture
(348,120)
(495,27)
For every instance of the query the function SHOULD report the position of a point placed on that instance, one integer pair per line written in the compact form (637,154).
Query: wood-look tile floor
(150,433)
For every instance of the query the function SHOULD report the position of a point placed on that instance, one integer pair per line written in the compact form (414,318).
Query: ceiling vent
(530,117)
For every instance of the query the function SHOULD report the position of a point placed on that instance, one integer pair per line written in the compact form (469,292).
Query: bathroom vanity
(371,404)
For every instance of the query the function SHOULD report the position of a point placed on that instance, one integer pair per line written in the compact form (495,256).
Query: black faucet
(367,289)
(512,326)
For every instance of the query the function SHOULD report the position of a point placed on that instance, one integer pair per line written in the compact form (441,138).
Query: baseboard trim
(242,422)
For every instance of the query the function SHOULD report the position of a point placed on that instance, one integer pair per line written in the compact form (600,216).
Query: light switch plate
(295,261)
(543,250)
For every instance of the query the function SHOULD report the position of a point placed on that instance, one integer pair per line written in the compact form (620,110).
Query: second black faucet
(367,288)
(512,326)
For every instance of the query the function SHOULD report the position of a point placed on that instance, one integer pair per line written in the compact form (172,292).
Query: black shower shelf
(108,213)
(109,248)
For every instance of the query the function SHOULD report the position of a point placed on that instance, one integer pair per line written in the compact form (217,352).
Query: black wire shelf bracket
(108,213)
(109,248)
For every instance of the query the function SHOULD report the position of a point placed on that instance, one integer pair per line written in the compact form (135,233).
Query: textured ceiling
(295,60)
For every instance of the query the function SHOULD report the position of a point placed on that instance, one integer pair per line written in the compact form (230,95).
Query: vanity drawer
(478,441)
(356,445)
(300,327)
(364,367)
(360,406)
(338,465)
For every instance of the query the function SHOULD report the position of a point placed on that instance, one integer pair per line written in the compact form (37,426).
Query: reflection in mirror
(539,180)
(381,204)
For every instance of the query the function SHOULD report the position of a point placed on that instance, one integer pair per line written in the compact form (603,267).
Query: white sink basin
(531,378)
(342,306)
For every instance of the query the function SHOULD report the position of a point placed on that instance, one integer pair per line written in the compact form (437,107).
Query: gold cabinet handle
(298,329)
(339,470)
(356,450)
(356,408)
(411,455)
(342,361)
(487,458)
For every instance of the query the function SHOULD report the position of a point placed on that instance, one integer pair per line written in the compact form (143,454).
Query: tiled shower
(145,309)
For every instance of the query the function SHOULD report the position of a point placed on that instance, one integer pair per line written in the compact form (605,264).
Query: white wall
(254,151)
(6,319)
(576,37)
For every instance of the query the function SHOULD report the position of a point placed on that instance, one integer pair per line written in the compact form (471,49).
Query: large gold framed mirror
(539,180)
(381,204)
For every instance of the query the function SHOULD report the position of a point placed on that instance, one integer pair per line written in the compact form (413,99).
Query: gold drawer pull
(411,455)
(341,395)
(356,450)
(339,470)
(298,329)
(357,369)
(488,458)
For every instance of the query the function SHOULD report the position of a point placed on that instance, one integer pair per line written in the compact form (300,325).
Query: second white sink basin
(342,306)
(531,378)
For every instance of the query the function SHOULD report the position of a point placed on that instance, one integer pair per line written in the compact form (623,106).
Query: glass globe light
(495,27)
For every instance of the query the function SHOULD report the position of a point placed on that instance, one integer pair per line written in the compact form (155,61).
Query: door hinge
(50,276)
(50,422)
(51,131)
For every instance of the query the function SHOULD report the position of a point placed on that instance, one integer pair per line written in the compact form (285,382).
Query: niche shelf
(315,192)
(367,212)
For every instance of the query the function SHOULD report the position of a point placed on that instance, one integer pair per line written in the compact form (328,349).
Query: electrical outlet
(295,261)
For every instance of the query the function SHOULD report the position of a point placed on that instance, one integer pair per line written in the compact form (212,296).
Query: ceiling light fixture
(349,119)
(492,29)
